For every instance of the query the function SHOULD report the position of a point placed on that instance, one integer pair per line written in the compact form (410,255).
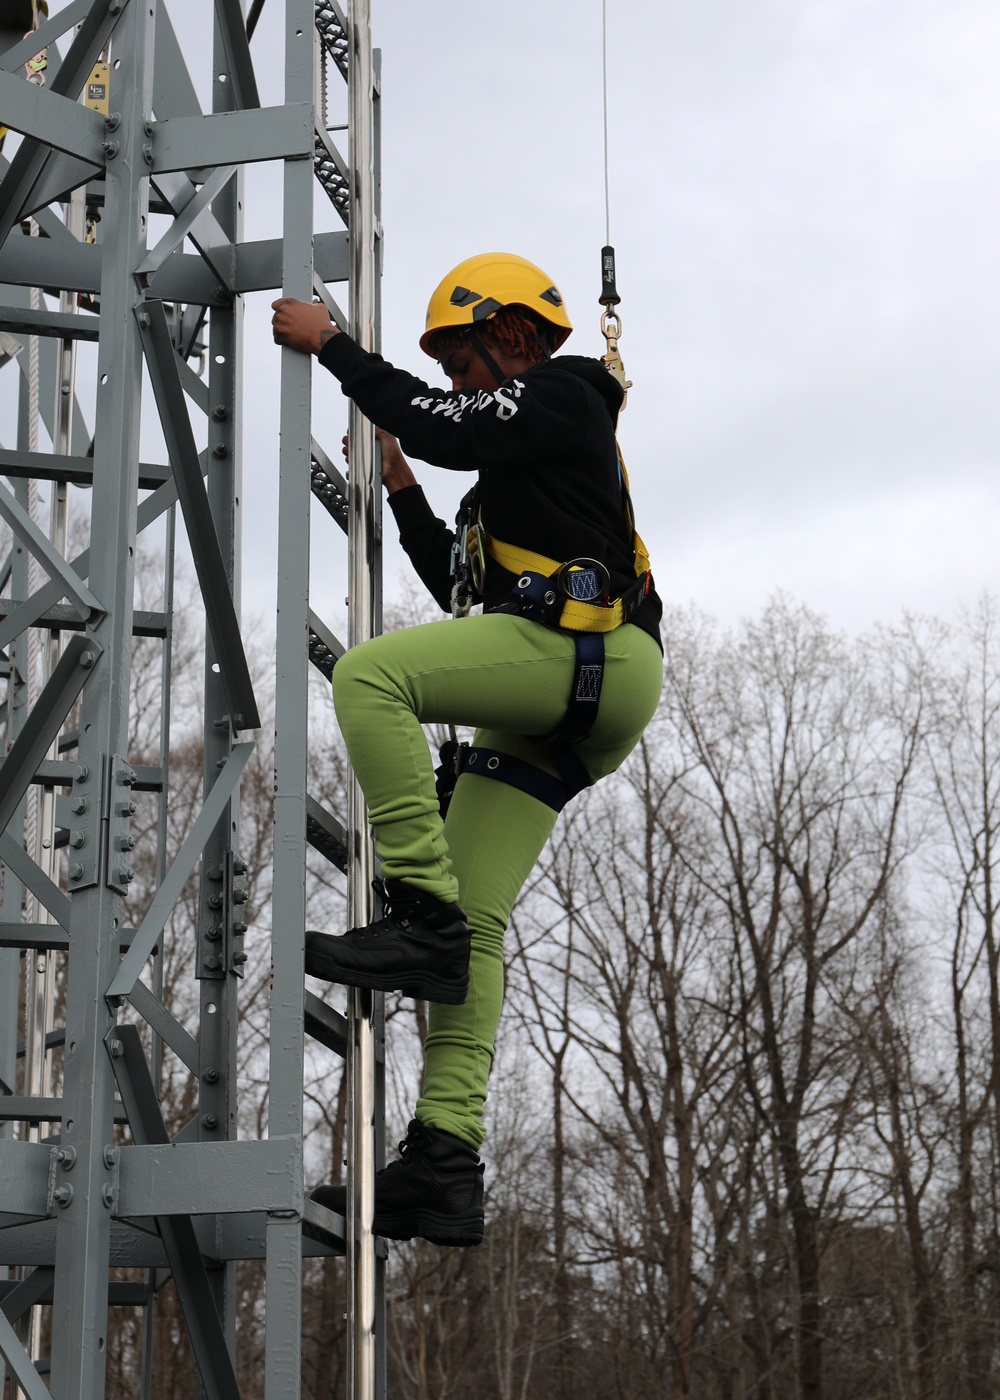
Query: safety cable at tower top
(607,179)
(609,299)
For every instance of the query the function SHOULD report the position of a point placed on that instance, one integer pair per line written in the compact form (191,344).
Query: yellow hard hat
(478,287)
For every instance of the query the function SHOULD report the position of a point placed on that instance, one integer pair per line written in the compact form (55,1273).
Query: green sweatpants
(507,677)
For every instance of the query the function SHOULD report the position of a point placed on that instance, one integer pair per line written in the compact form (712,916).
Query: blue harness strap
(516,773)
(457,759)
(585,691)
(536,600)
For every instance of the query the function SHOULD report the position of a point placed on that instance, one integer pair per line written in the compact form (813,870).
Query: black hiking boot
(419,947)
(434,1191)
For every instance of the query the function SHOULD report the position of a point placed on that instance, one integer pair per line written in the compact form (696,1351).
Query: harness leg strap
(516,773)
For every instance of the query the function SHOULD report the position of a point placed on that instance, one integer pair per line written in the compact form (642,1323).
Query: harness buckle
(584,580)
(535,597)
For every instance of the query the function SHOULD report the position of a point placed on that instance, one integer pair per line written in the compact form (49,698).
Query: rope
(607,177)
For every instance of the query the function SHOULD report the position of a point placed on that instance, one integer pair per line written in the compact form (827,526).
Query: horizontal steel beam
(17,1108)
(42,262)
(33,936)
(120,1295)
(233,138)
(67,619)
(79,471)
(137,1246)
(24,1177)
(65,324)
(209,1178)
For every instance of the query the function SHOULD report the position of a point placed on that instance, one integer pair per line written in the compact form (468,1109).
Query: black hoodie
(543,444)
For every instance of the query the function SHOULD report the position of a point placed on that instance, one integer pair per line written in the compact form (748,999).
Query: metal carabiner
(475,553)
(611,329)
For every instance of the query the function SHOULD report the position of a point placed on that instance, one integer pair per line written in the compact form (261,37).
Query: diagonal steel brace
(167,1027)
(46,891)
(50,559)
(14,58)
(209,565)
(21,1363)
(44,722)
(208,1342)
(28,1292)
(229,15)
(185,221)
(33,608)
(147,935)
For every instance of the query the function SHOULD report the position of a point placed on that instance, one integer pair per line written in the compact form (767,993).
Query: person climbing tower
(559,675)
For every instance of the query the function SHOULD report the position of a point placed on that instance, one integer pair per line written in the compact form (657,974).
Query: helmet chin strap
(486,357)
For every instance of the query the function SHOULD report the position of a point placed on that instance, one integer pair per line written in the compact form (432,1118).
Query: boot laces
(415,1140)
(393,909)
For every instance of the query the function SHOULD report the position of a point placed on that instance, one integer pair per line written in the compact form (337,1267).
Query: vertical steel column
(83,1226)
(284,1234)
(217,970)
(361,626)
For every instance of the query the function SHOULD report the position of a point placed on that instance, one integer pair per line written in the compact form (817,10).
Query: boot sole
(426,987)
(461,1232)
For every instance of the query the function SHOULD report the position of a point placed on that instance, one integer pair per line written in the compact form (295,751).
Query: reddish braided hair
(512,329)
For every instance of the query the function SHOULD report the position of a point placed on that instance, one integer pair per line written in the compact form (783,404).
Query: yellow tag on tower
(96,93)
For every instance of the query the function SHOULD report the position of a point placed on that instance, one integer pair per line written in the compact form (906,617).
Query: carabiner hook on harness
(611,325)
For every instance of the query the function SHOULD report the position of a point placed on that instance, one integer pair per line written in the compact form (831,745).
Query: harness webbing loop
(585,692)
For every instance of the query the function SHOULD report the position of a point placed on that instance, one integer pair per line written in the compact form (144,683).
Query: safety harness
(571,596)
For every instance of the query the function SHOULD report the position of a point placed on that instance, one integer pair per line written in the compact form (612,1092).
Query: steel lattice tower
(116,136)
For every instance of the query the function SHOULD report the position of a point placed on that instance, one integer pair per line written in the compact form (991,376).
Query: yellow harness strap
(577,616)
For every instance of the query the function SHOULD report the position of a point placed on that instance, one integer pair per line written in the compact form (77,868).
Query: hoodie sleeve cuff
(340,354)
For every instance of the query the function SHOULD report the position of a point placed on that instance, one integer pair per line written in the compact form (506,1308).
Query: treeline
(753,1149)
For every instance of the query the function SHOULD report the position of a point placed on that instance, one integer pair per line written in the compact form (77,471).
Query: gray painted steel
(75,1202)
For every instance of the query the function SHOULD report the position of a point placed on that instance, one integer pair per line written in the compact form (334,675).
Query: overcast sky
(804,202)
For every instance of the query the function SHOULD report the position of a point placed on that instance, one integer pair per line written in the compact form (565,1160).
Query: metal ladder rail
(356,507)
